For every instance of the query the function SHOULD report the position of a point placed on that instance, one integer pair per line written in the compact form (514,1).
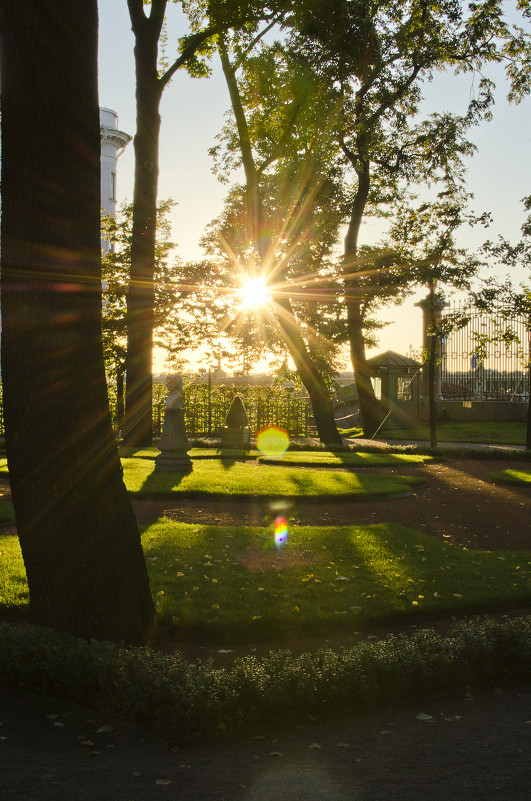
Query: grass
(14,594)
(517,477)
(194,453)
(217,477)
(7,513)
(501,433)
(234,584)
(347,459)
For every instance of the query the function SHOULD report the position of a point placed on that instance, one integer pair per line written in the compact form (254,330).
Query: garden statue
(173,443)
(235,433)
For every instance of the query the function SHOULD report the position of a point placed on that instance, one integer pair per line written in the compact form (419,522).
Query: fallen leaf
(104,730)
(343,745)
(314,746)
(226,651)
(163,781)
(423,716)
(275,753)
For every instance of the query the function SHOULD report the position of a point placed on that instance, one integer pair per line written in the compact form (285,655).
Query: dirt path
(459,504)
(468,749)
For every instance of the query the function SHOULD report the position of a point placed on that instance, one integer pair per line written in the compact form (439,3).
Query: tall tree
(384,140)
(276,238)
(79,539)
(207,19)
(116,268)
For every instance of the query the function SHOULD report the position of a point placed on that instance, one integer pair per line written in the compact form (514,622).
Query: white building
(113,143)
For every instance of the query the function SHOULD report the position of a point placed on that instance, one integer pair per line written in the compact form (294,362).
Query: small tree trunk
(369,408)
(138,428)
(528,427)
(120,397)
(79,539)
(432,358)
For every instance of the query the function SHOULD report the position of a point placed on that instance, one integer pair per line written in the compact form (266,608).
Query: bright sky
(192,114)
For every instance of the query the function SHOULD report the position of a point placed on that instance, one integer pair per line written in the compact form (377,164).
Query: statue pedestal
(236,433)
(173,444)
(235,437)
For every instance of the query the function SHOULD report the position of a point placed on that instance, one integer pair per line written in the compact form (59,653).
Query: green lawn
(7,513)
(517,477)
(217,477)
(194,453)
(347,459)
(235,583)
(501,433)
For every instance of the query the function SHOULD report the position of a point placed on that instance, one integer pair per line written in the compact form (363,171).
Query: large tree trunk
(369,408)
(138,429)
(80,542)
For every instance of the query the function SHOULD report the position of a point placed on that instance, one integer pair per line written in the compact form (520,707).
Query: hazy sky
(192,114)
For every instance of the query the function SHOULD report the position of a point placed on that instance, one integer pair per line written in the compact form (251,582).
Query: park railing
(485,357)
(206,408)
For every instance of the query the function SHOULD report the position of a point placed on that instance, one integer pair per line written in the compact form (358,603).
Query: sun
(254,293)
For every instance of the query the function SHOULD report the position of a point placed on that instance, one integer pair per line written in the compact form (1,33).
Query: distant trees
(386,144)
(116,270)
(357,100)
(206,20)
(278,227)
(80,542)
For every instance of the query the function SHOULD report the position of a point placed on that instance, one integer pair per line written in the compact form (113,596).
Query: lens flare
(281,531)
(272,442)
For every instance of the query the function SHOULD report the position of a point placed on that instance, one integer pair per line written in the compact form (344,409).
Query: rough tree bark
(79,538)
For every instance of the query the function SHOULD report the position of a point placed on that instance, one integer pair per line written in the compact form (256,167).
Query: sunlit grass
(348,458)
(14,594)
(501,432)
(517,477)
(193,453)
(215,477)
(233,582)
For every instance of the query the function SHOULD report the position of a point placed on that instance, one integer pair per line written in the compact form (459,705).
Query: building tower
(113,143)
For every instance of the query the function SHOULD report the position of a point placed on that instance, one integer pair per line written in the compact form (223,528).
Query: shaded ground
(469,748)
(458,504)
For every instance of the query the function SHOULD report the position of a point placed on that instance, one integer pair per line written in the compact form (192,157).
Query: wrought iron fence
(206,409)
(484,355)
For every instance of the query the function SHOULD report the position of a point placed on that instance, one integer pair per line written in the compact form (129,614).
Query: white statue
(175,399)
